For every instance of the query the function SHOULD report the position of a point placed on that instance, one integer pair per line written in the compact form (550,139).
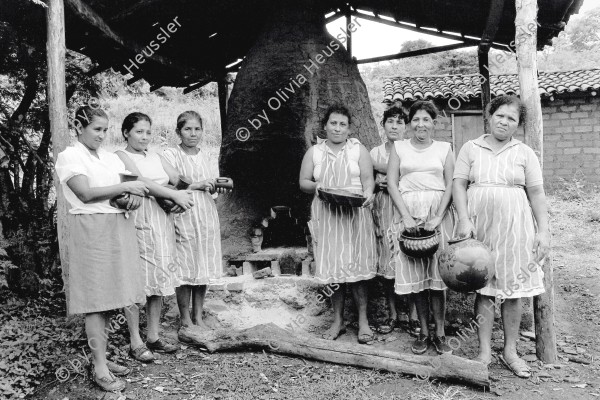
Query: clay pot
(184,182)
(128,177)
(466,265)
(226,183)
(120,201)
(166,204)
(419,244)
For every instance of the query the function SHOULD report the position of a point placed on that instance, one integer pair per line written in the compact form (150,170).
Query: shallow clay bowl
(341,197)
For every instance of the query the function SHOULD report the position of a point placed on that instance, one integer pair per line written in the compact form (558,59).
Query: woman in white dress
(155,233)
(103,258)
(420,183)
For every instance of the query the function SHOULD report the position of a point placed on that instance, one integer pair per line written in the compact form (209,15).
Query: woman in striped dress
(499,195)
(394,123)
(197,231)
(422,197)
(343,237)
(103,258)
(155,233)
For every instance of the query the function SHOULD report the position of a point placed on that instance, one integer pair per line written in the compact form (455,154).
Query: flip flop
(388,326)
(518,367)
(329,336)
(366,338)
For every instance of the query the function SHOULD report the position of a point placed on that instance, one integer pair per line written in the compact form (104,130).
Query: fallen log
(272,338)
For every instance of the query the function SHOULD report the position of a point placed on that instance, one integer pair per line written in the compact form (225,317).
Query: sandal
(117,370)
(330,336)
(518,367)
(142,354)
(387,326)
(107,384)
(162,346)
(414,328)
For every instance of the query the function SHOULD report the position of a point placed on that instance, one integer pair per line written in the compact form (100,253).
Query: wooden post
(348,22)
(484,71)
(57,109)
(222,89)
(526,42)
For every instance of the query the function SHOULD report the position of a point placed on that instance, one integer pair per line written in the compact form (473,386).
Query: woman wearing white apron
(343,236)
(155,233)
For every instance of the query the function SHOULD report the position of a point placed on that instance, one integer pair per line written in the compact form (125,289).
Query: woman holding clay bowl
(197,231)
(420,184)
(343,236)
(103,257)
(155,233)
(499,195)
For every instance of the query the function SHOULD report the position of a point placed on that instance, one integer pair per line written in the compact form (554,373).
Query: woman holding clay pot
(420,184)
(197,231)
(499,195)
(155,233)
(343,236)
(103,258)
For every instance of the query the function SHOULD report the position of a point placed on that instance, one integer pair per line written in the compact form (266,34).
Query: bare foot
(365,334)
(202,325)
(483,358)
(334,331)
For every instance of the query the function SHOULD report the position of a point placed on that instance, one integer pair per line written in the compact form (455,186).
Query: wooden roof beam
(492,23)
(133,9)
(86,13)
(414,53)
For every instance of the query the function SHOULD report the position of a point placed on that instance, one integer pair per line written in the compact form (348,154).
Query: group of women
(138,252)
(494,191)
(120,257)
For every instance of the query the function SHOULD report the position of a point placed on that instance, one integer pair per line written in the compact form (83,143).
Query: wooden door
(465,128)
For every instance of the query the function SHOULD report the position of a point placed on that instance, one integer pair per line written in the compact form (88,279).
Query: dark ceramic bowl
(419,244)
(341,197)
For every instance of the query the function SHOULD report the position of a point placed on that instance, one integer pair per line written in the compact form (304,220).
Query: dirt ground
(195,374)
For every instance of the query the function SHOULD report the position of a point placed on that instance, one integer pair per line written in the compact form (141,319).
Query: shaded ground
(194,374)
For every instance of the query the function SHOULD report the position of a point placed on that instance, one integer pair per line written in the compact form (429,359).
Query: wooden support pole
(57,109)
(484,72)
(222,89)
(348,22)
(526,41)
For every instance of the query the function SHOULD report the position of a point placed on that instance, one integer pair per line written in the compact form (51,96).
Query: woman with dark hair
(343,236)
(394,124)
(197,231)
(103,258)
(499,195)
(420,182)
(155,233)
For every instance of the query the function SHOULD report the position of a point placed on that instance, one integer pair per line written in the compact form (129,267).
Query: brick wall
(572,138)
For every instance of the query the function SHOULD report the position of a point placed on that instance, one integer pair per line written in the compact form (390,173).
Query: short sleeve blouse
(515,164)
(100,171)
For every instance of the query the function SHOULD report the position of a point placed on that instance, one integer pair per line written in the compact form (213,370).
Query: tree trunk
(269,337)
(294,71)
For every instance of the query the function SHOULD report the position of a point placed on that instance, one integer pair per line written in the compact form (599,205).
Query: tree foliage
(27,204)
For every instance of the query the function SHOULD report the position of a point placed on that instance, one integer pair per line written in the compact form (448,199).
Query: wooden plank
(270,337)
(59,125)
(526,39)
(415,53)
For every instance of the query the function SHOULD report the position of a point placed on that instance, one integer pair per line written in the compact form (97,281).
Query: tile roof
(446,86)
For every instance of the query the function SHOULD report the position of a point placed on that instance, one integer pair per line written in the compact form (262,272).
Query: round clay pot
(466,265)
(184,182)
